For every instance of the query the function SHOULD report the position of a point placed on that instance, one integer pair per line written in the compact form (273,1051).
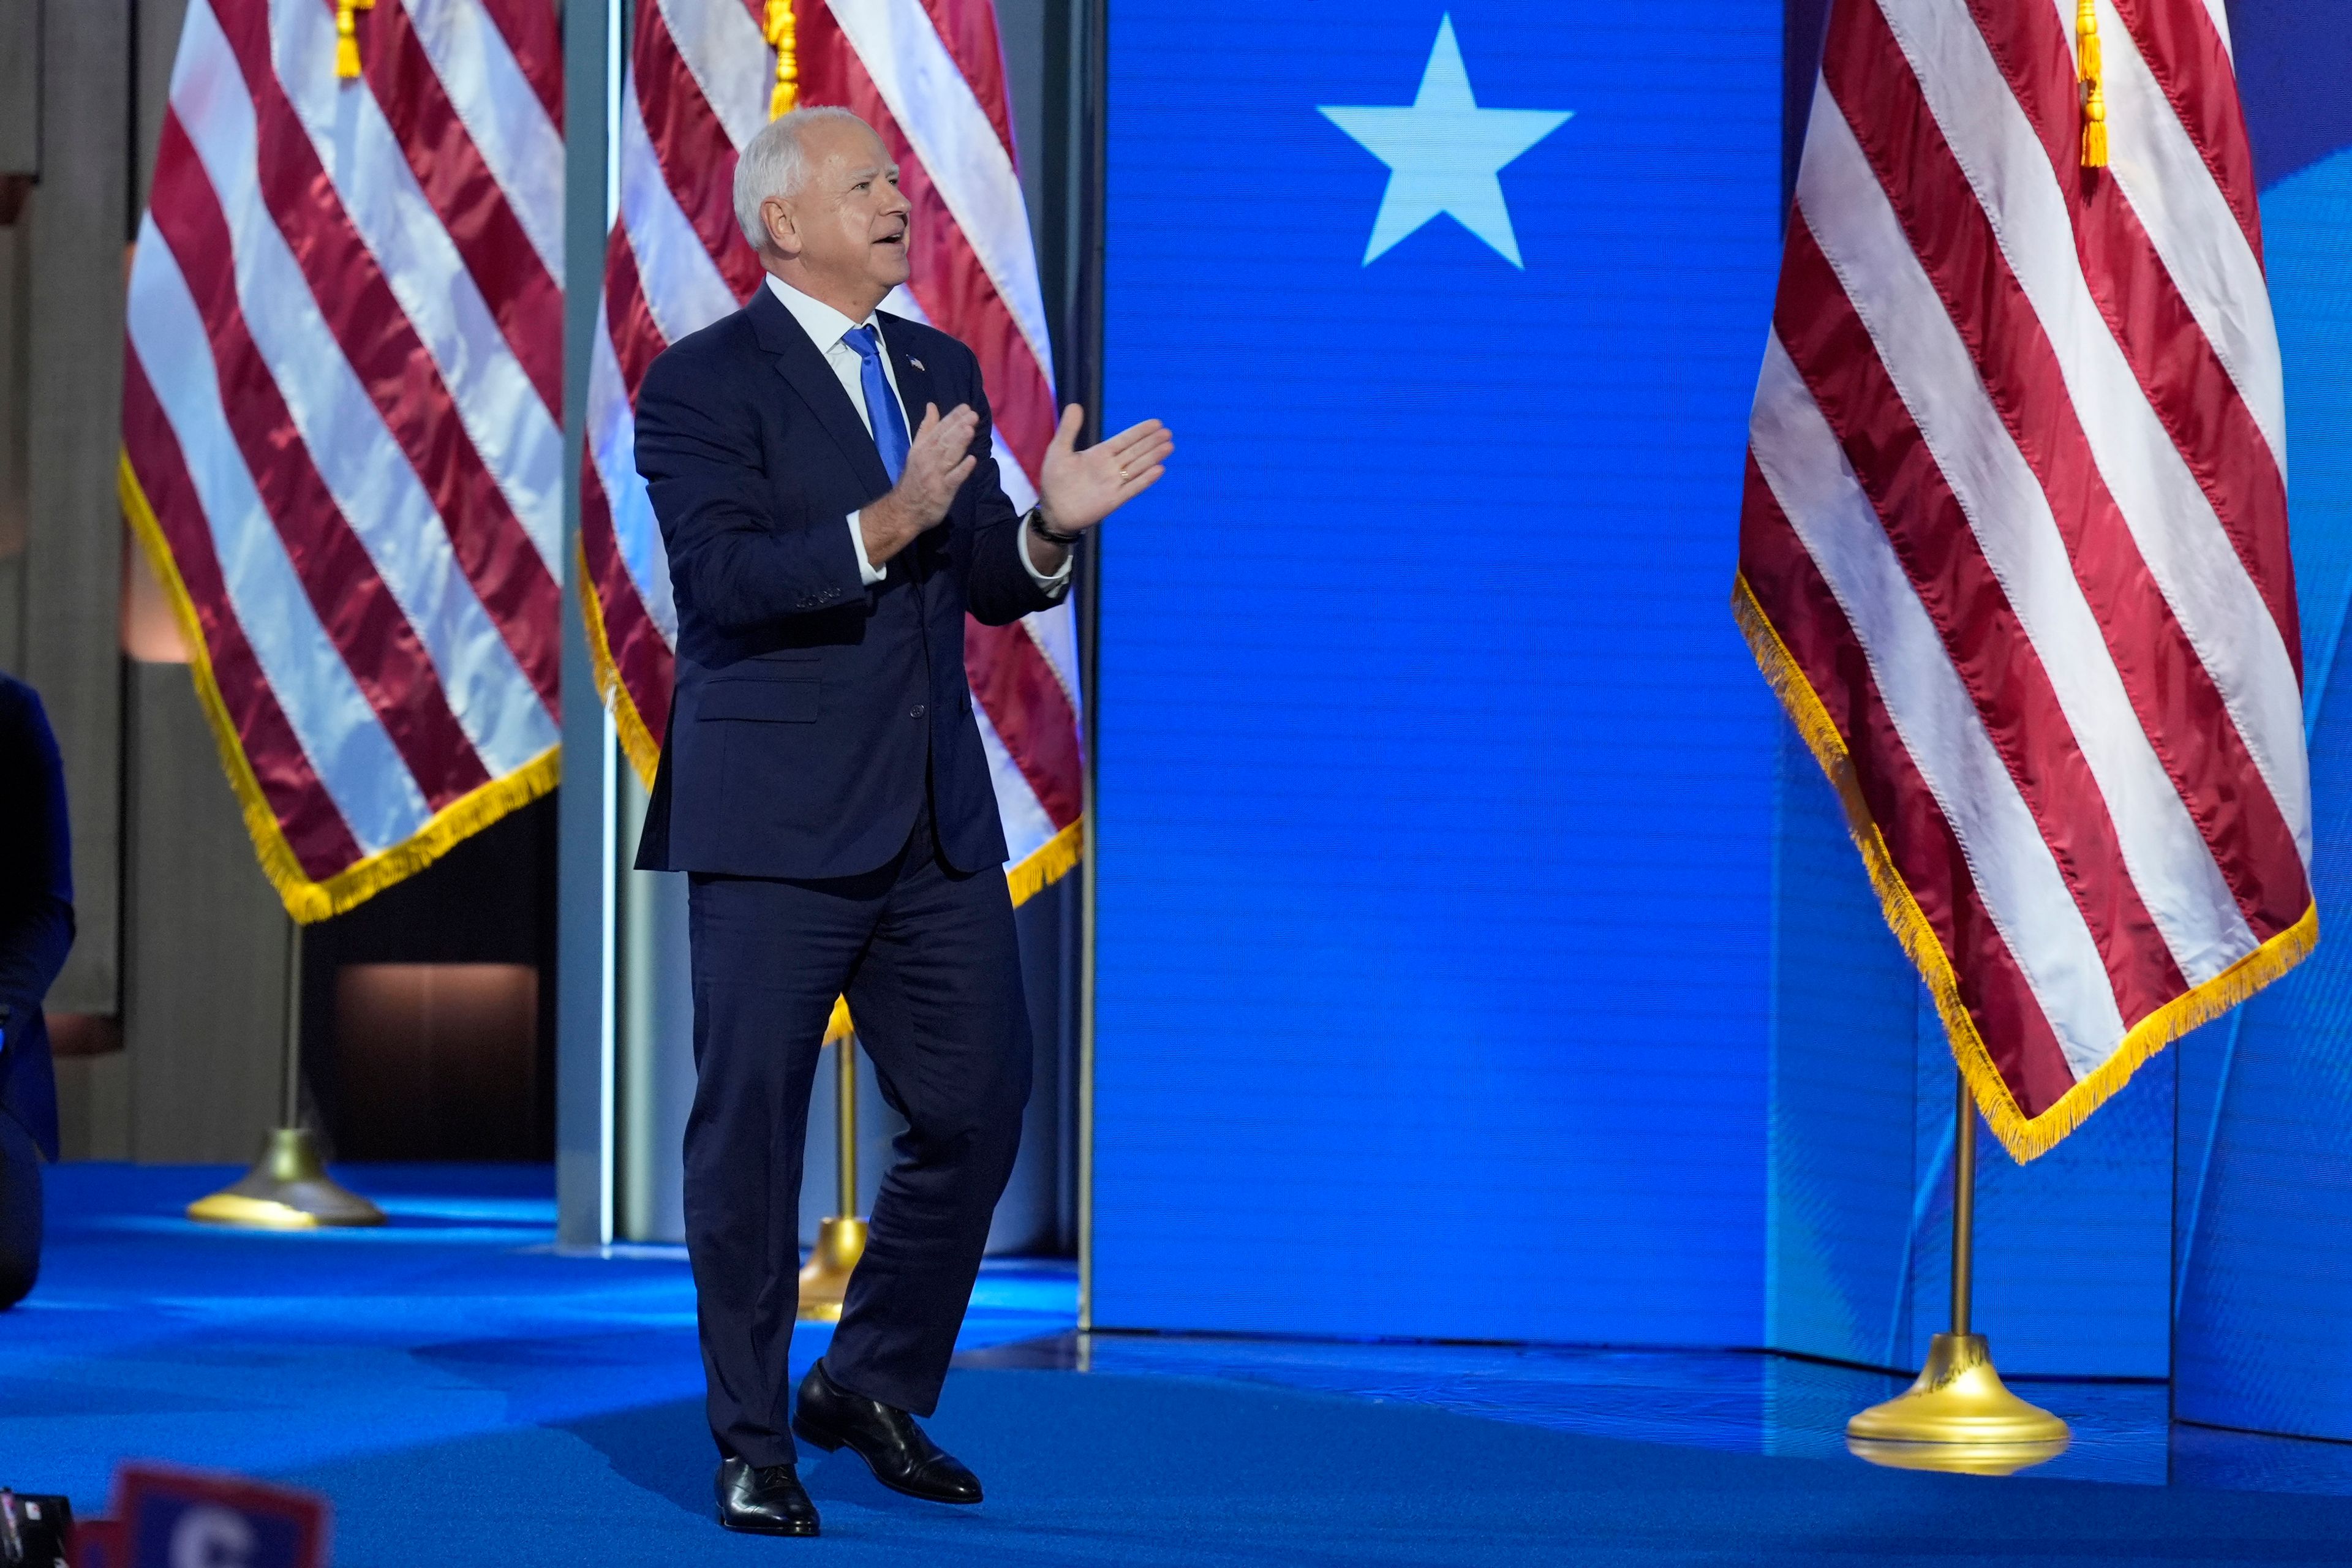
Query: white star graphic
(1445,152)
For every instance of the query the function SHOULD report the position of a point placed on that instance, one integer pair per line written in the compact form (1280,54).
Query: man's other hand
(1080,489)
(938,463)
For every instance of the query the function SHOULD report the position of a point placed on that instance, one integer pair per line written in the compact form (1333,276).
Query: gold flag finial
(347,36)
(2088,70)
(781,33)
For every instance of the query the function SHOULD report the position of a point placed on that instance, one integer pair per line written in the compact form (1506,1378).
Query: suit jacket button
(916,712)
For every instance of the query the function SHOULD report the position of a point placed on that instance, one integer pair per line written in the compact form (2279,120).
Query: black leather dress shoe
(883,1435)
(763,1499)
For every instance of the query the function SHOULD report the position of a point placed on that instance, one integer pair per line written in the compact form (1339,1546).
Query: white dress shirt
(826,327)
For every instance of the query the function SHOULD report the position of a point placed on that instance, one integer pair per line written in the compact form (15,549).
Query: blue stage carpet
(466,1396)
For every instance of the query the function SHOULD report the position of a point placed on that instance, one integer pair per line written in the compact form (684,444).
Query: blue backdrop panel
(1436,806)
(2074,1251)
(1845,1043)
(2265,1207)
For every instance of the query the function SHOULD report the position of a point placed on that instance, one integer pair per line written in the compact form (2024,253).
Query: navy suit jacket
(36,918)
(809,706)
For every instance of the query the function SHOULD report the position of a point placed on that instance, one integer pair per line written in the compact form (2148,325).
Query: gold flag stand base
(825,1279)
(1959,1416)
(288,1189)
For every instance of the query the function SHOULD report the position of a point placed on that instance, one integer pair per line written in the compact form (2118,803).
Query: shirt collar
(822,323)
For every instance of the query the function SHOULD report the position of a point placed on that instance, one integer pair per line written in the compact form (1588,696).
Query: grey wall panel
(94,1107)
(205,1002)
(76,221)
(159,23)
(20,86)
(14,296)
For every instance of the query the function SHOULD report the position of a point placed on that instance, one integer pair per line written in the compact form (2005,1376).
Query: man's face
(847,221)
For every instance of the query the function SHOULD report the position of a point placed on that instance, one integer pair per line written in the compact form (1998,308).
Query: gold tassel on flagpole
(2088,70)
(347,36)
(781,33)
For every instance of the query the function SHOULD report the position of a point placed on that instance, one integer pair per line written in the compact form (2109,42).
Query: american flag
(2014,543)
(340,447)
(703,77)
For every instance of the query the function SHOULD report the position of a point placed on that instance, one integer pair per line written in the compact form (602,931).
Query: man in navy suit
(822,782)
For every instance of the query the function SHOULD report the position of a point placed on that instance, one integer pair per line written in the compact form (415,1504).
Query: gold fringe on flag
(2089,69)
(347,36)
(2025,1137)
(306,900)
(1046,864)
(781,33)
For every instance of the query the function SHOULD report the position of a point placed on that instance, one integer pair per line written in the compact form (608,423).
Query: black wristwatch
(1037,525)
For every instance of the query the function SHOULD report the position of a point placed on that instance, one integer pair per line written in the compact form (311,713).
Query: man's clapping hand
(1080,489)
(938,463)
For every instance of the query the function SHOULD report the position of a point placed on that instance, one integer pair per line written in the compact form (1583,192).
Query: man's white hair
(774,164)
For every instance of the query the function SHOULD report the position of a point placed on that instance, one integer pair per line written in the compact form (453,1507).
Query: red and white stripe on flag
(2013,549)
(929,76)
(340,447)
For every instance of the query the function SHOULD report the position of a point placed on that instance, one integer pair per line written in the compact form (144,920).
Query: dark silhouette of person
(36,930)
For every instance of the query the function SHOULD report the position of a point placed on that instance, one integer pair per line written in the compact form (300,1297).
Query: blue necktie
(882,409)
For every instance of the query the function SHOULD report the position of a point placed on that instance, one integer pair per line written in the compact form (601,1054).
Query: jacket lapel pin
(917,364)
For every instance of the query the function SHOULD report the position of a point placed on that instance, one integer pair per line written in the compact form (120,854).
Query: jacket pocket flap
(773,702)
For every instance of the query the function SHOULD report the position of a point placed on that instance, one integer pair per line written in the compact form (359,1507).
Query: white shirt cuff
(1052,581)
(865,570)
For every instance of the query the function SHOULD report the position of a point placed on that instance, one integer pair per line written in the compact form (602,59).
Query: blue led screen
(1436,786)
(2264,1214)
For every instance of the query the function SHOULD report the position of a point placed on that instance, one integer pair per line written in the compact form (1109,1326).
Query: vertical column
(586,865)
(1077,37)
(652,1037)
(20,162)
(78,219)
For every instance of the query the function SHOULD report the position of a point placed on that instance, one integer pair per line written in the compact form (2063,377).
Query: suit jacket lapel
(802,366)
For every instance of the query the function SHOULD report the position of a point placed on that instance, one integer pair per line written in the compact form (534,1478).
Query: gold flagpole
(1959,1414)
(841,1238)
(288,1188)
